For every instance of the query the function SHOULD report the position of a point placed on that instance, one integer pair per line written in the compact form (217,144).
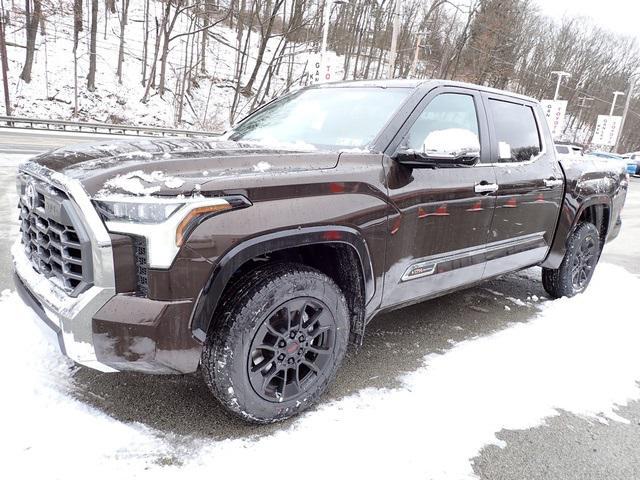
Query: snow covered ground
(579,355)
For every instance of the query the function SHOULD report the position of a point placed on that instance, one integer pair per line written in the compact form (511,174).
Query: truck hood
(173,166)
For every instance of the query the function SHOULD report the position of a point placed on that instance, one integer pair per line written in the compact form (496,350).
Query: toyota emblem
(30,196)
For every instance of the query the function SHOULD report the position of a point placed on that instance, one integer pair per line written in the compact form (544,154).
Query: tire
(578,264)
(261,361)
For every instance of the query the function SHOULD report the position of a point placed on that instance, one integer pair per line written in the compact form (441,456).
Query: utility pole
(560,75)
(625,112)
(613,105)
(5,66)
(394,39)
(416,54)
(328,8)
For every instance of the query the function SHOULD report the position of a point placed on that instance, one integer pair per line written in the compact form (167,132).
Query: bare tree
(77,28)
(32,13)
(124,15)
(91,76)
(5,65)
(266,28)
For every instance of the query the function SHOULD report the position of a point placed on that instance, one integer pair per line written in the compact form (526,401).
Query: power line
(576,90)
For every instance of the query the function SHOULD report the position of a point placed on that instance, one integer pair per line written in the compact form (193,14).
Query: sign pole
(560,75)
(632,84)
(613,105)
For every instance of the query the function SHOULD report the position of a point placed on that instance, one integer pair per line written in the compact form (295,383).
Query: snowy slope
(208,105)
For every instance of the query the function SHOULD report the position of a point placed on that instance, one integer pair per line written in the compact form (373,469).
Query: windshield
(331,118)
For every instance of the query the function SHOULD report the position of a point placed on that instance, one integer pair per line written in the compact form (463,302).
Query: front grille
(53,236)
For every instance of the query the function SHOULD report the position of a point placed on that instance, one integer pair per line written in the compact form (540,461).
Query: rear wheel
(577,267)
(277,343)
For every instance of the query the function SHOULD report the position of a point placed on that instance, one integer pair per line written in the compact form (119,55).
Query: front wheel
(578,264)
(277,342)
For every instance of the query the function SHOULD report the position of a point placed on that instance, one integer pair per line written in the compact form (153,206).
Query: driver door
(440,219)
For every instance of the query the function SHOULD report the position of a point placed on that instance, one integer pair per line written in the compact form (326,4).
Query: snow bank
(579,355)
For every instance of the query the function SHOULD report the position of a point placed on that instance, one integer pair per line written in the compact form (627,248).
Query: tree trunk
(163,64)
(203,42)
(91,77)
(5,67)
(145,45)
(123,23)
(152,74)
(167,29)
(77,28)
(32,21)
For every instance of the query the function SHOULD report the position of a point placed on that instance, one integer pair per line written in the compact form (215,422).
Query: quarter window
(516,131)
(448,123)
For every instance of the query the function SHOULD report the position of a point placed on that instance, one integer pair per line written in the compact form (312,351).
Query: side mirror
(453,146)
(449,147)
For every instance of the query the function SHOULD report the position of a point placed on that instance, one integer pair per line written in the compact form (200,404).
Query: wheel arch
(595,209)
(350,247)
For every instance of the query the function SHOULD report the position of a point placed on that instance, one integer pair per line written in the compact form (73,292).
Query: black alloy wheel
(584,261)
(277,341)
(579,263)
(291,349)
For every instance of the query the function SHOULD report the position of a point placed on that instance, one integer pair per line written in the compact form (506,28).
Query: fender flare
(230,261)
(565,228)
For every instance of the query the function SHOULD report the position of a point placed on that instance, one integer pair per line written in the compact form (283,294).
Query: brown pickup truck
(258,256)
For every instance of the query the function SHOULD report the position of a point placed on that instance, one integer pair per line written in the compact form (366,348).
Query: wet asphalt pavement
(565,447)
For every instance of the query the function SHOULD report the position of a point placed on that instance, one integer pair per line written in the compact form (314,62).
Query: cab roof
(427,84)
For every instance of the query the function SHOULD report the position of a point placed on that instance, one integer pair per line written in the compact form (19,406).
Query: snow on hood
(141,183)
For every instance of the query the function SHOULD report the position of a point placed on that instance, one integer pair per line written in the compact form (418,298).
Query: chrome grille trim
(54,238)
(73,315)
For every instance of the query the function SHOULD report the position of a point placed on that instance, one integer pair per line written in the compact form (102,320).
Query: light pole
(627,103)
(560,75)
(613,105)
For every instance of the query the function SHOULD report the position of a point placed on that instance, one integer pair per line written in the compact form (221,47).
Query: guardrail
(90,127)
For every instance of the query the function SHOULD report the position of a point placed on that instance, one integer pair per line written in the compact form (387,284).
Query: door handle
(552,182)
(485,187)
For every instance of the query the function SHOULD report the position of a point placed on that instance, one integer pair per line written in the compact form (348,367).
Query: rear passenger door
(530,185)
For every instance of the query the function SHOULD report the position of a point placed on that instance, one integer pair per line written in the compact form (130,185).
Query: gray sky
(617,15)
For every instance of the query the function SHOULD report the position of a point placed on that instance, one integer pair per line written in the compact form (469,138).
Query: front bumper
(100,328)
(70,318)
(66,321)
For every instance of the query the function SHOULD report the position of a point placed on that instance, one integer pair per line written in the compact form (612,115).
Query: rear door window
(516,130)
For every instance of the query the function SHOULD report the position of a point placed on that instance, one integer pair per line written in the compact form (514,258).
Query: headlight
(165,223)
(135,211)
